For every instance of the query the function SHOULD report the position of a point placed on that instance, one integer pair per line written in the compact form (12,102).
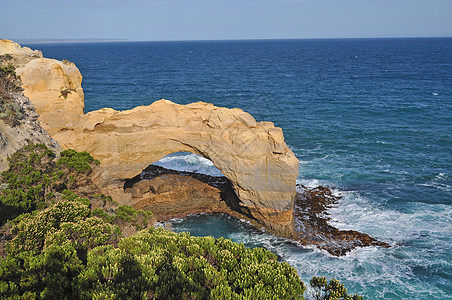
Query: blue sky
(220,19)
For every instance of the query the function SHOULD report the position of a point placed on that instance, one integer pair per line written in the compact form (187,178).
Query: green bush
(126,213)
(48,275)
(8,69)
(34,178)
(27,181)
(152,264)
(334,290)
(139,218)
(165,265)
(79,161)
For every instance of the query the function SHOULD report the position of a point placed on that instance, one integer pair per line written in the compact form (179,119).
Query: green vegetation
(334,290)
(65,245)
(66,92)
(164,265)
(10,84)
(27,182)
(8,69)
(79,161)
(35,178)
(5,57)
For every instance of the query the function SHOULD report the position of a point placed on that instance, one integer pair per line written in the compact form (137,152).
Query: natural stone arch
(252,155)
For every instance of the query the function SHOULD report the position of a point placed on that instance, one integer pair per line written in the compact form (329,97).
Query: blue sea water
(370,118)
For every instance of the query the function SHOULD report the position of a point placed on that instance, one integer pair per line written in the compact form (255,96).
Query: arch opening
(183,183)
(189,162)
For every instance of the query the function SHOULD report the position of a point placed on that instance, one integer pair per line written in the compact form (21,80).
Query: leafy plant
(79,161)
(165,265)
(9,85)
(66,92)
(8,69)
(334,290)
(27,181)
(5,57)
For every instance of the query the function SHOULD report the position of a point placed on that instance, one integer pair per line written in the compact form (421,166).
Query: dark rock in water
(312,228)
(170,193)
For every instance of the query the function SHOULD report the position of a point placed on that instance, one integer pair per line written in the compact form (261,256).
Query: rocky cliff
(252,155)
(19,125)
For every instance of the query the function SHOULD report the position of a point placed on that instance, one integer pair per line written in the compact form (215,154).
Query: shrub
(27,181)
(32,230)
(334,290)
(139,218)
(8,69)
(66,92)
(9,82)
(165,265)
(34,178)
(49,275)
(126,213)
(78,161)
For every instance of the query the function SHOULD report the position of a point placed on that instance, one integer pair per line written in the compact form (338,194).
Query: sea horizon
(123,40)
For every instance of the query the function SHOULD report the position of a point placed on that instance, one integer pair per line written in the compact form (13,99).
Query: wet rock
(312,228)
(169,193)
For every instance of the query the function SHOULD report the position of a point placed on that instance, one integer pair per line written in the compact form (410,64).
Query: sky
(162,20)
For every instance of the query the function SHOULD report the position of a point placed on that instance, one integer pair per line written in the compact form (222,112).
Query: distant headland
(74,40)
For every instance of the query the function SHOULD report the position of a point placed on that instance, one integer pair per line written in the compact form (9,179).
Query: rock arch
(252,155)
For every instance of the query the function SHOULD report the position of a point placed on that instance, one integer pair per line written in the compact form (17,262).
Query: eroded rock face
(19,125)
(252,155)
(22,130)
(172,195)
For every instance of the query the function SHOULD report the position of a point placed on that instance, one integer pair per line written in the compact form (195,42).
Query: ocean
(369,118)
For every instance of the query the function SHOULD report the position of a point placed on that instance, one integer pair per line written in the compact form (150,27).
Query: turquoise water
(372,119)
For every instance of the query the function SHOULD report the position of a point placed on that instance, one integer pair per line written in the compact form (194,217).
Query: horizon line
(122,40)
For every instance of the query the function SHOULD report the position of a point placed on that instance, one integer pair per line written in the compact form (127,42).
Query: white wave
(312,183)
(419,234)
(189,162)
(439,182)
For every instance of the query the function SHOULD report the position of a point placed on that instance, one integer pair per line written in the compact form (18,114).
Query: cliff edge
(19,125)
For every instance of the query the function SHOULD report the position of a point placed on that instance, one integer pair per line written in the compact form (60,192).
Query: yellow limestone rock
(10,47)
(252,155)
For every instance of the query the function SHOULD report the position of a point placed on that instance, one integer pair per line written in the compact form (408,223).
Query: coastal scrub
(63,241)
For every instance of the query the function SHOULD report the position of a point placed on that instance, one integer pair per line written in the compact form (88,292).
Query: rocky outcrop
(312,228)
(252,155)
(19,125)
(21,131)
(24,130)
(171,194)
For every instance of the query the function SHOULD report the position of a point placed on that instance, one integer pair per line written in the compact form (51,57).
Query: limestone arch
(253,155)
